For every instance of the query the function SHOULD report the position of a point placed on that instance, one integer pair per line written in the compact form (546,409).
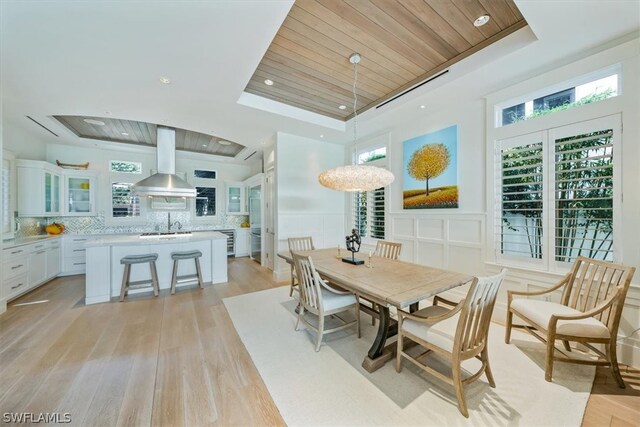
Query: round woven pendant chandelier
(356,177)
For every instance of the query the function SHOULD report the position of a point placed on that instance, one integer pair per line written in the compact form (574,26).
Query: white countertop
(13,243)
(124,240)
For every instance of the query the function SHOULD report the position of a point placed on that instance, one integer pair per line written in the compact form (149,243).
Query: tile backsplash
(97,225)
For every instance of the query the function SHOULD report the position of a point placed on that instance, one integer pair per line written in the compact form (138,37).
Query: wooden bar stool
(177,256)
(128,261)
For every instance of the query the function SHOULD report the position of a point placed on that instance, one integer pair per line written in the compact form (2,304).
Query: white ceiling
(90,57)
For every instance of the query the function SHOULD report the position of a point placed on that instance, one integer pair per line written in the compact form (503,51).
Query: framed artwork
(430,170)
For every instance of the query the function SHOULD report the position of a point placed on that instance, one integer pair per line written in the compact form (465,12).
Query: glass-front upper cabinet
(39,188)
(79,195)
(236,198)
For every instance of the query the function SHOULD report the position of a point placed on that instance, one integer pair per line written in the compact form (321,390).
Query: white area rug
(331,388)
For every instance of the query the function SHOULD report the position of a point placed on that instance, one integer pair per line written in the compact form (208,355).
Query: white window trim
(7,155)
(209,183)
(548,136)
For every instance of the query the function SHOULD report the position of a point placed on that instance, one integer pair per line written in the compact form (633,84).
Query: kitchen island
(104,271)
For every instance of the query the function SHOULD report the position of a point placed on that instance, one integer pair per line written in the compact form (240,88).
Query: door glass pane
(234,199)
(79,195)
(55,194)
(47,192)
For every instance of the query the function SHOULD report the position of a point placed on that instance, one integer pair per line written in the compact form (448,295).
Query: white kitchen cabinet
(74,254)
(242,242)
(236,198)
(37,267)
(27,266)
(53,259)
(80,193)
(39,188)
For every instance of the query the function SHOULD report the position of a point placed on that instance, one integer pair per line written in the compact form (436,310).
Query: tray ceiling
(402,43)
(142,133)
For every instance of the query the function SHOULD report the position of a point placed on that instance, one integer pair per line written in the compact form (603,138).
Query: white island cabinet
(104,271)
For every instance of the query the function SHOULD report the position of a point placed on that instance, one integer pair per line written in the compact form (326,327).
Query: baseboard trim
(3,305)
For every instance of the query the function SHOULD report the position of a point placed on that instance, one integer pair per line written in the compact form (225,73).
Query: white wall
(24,145)
(304,207)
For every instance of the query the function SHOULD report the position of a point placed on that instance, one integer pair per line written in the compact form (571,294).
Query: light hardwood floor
(172,360)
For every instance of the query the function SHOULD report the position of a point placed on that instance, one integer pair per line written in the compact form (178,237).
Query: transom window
(123,166)
(572,95)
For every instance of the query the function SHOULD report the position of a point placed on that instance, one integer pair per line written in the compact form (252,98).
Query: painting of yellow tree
(431,170)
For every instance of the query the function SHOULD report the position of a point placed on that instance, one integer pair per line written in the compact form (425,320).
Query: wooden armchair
(384,249)
(589,311)
(298,244)
(317,297)
(470,319)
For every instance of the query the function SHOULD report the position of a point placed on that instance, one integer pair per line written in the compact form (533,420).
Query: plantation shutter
(519,222)
(123,203)
(584,194)
(368,213)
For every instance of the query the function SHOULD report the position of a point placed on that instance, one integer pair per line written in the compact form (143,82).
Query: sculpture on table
(353,245)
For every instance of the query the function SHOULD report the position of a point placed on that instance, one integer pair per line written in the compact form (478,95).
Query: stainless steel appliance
(255,222)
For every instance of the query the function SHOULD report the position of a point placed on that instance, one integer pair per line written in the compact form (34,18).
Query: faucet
(172,224)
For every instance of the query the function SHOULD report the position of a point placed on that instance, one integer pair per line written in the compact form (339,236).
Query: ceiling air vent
(430,79)
(42,126)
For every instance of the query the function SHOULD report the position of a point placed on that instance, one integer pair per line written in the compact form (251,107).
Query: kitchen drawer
(15,267)
(75,250)
(17,252)
(53,244)
(74,264)
(15,285)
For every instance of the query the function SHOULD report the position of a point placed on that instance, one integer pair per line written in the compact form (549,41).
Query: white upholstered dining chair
(317,297)
(589,311)
(458,333)
(298,244)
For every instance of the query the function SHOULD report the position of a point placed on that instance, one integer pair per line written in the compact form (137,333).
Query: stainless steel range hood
(165,183)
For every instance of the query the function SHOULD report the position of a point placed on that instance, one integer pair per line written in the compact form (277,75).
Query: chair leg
(292,283)
(300,309)
(199,273)
(566,345)
(400,347)
(174,276)
(548,370)
(457,385)
(358,318)
(507,331)
(613,360)
(154,278)
(125,281)
(320,330)
(484,356)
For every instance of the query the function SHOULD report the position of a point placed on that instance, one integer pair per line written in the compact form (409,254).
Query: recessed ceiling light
(124,133)
(343,107)
(321,136)
(108,113)
(165,80)
(268,82)
(204,145)
(93,122)
(422,107)
(481,20)
(223,142)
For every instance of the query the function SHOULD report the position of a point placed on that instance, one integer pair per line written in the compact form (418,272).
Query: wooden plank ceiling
(142,133)
(402,43)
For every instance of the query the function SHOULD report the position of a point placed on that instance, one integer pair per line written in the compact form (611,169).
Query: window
(368,208)
(123,203)
(556,193)
(579,94)
(205,201)
(122,166)
(198,173)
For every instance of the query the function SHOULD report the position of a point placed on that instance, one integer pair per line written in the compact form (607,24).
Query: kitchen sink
(165,234)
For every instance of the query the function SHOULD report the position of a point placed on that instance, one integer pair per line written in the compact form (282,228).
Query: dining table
(385,282)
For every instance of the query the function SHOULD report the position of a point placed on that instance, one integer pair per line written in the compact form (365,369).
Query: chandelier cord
(355,105)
